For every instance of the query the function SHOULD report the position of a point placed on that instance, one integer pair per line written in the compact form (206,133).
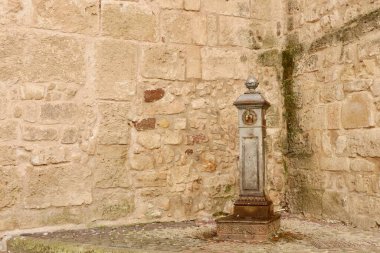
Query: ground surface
(296,235)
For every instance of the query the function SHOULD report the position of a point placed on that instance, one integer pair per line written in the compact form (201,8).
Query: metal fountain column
(253,218)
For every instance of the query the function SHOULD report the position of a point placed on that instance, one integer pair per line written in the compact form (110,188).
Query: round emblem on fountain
(249,117)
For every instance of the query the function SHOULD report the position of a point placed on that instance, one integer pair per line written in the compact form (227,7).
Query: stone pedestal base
(247,229)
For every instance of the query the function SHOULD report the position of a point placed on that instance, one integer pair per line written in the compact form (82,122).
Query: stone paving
(296,235)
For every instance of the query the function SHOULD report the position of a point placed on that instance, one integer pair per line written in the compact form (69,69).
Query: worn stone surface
(295,236)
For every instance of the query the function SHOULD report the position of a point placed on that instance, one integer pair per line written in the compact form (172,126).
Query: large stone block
(112,204)
(32,92)
(235,31)
(141,162)
(111,169)
(8,130)
(170,4)
(151,179)
(10,186)
(54,58)
(238,8)
(57,186)
(34,133)
(7,155)
(129,21)
(60,113)
(225,63)
(116,69)
(357,111)
(11,54)
(164,62)
(49,155)
(364,142)
(66,15)
(333,111)
(184,27)
(113,128)
(335,163)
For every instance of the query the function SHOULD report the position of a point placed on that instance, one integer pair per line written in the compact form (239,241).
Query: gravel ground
(295,235)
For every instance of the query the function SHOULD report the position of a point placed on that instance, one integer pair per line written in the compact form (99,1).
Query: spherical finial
(252,83)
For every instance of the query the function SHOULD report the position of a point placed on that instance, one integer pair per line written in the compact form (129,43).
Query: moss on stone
(290,100)
(349,32)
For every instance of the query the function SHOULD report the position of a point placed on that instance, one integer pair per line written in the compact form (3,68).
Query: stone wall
(122,110)
(331,89)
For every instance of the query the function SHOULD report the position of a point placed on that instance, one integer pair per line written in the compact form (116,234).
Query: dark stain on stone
(189,152)
(153,95)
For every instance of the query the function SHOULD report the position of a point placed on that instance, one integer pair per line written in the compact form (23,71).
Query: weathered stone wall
(331,90)
(122,110)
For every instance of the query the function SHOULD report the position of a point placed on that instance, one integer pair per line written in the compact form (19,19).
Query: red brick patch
(153,95)
(145,124)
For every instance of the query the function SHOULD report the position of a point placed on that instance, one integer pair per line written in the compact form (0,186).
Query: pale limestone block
(238,8)
(357,111)
(362,165)
(184,27)
(225,63)
(212,30)
(66,15)
(341,144)
(357,85)
(170,4)
(163,107)
(263,9)
(164,123)
(32,92)
(7,155)
(235,31)
(364,142)
(141,162)
(163,62)
(180,174)
(149,139)
(114,128)
(116,69)
(193,62)
(335,163)
(180,123)
(150,179)
(54,58)
(333,115)
(8,130)
(129,21)
(110,167)
(11,54)
(10,186)
(172,138)
(113,204)
(70,135)
(192,5)
(199,103)
(375,88)
(48,155)
(48,187)
(34,133)
(60,113)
